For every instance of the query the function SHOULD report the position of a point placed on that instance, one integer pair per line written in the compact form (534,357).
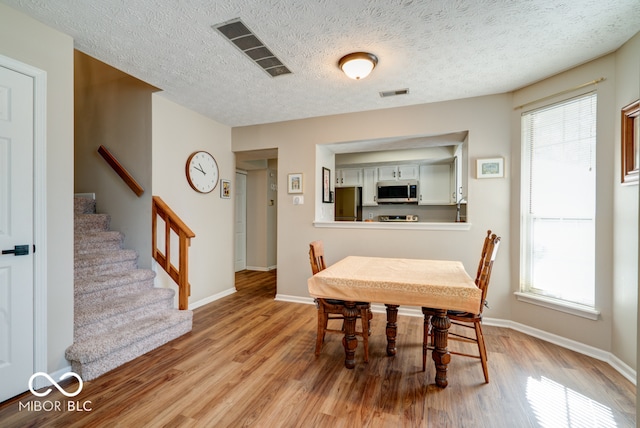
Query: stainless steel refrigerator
(348,204)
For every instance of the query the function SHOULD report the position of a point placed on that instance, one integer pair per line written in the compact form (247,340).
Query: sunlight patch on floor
(558,406)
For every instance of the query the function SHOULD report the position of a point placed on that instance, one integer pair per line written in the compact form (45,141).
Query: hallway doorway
(258,213)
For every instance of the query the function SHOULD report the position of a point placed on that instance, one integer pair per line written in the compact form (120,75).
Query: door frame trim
(246,174)
(39,212)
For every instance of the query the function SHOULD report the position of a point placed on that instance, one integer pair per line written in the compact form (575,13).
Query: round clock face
(202,172)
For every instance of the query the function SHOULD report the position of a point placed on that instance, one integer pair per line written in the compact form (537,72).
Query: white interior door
(241,222)
(16,229)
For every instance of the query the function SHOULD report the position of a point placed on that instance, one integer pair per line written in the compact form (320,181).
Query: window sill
(559,305)
(391,225)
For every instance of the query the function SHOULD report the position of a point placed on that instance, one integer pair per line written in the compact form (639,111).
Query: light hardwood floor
(249,361)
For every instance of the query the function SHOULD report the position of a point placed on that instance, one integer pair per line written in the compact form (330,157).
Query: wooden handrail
(119,169)
(172,222)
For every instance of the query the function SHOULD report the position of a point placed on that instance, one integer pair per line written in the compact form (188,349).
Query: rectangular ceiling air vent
(394,93)
(242,38)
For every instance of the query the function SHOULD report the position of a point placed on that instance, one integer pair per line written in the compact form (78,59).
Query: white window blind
(559,185)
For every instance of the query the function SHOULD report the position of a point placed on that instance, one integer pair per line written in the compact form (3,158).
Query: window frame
(525,293)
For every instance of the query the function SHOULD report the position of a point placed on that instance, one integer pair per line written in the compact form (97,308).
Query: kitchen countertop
(400,225)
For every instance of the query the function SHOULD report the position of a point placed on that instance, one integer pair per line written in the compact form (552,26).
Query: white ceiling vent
(394,93)
(242,38)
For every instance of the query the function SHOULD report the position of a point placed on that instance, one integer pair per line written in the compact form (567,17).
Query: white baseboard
(375,308)
(40,382)
(590,351)
(622,368)
(262,268)
(213,298)
(294,299)
(85,195)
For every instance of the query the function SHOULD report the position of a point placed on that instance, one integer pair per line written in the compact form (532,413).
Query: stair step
(104,262)
(99,318)
(121,306)
(84,205)
(100,296)
(97,241)
(118,314)
(91,222)
(95,356)
(89,285)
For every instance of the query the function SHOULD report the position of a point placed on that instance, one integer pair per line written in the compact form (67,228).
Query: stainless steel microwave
(397,192)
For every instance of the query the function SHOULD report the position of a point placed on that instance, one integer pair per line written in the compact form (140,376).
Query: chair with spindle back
(332,309)
(467,319)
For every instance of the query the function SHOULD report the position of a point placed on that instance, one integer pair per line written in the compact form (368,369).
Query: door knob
(18,250)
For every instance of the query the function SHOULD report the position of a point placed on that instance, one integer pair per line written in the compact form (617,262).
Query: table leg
(392,329)
(441,357)
(350,342)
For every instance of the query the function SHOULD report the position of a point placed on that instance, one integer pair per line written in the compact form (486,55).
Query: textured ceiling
(440,49)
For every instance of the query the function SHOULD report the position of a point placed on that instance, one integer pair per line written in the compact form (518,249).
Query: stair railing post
(167,243)
(154,230)
(173,222)
(185,291)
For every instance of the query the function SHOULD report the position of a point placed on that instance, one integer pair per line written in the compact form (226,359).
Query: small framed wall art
(225,189)
(326,185)
(490,168)
(294,183)
(630,143)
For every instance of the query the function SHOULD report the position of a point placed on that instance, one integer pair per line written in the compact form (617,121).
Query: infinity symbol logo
(54,383)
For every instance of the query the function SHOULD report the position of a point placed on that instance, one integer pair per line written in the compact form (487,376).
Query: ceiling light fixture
(358,65)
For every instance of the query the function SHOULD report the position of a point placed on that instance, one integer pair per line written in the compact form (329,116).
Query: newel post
(183,276)
(172,223)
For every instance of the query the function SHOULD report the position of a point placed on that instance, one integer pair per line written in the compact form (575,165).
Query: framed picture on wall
(225,189)
(326,185)
(630,145)
(490,168)
(294,183)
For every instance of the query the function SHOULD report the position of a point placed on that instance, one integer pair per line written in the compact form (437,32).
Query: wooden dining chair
(332,309)
(466,319)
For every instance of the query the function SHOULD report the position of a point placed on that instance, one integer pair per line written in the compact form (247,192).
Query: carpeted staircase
(119,315)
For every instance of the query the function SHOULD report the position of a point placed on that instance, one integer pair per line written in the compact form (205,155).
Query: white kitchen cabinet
(369,187)
(387,173)
(434,186)
(349,177)
(398,172)
(408,172)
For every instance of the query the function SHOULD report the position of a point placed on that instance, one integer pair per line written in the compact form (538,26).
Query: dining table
(438,284)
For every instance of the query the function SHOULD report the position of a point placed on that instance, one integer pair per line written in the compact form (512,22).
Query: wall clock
(202,172)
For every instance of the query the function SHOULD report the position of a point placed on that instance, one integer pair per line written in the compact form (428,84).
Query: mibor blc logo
(54,383)
(55,406)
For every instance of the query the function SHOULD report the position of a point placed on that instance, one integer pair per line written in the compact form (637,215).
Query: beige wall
(178,132)
(272,213)
(594,333)
(32,43)
(486,119)
(261,219)
(494,130)
(625,215)
(262,215)
(617,211)
(113,109)
(256,219)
